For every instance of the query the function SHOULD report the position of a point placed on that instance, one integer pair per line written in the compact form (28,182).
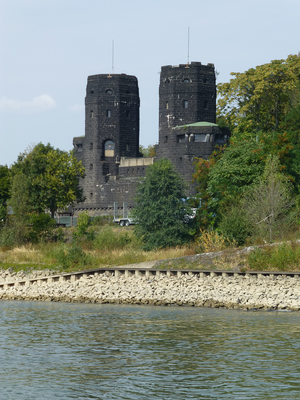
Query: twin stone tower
(109,150)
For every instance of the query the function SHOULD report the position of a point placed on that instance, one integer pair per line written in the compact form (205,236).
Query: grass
(114,246)
(283,257)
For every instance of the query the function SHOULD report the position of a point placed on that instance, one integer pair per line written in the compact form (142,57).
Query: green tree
(224,177)
(148,151)
(20,199)
(260,98)
(205,214)
(228,174)
(268,203)
(52,177)
(160,209)
(5,183)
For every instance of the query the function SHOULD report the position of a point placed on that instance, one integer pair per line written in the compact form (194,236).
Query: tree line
(41,181)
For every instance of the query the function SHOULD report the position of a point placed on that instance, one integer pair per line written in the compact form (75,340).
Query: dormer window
(108,113)
(185,104)
(108,91)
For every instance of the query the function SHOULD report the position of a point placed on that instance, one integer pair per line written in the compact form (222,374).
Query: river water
(92,351)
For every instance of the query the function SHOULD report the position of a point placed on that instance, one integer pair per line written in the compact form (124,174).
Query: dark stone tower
(111,132)
(187,116)
(109,150)
(187,94)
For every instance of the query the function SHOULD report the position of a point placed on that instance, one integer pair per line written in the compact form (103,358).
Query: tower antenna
(113,61)
(188,56)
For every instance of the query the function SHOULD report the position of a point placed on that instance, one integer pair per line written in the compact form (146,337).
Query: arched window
(108,91)
(109,148)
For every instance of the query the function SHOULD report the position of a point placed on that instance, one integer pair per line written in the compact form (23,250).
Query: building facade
(109,150)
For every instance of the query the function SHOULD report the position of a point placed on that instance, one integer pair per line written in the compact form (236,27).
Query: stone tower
(187,94)
(111,132)
(109,151)
(187,116)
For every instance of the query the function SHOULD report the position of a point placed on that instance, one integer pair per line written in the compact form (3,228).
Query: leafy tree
(205,214)
(52,177)
(5,183)
(239,166)
(260,98)
(160,209)
(227,174)
(268,203)
(234,224)
(41,227)
(148,151)
(224,177)
(20,199)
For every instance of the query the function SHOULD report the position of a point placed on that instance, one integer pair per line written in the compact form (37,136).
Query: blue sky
(48,48)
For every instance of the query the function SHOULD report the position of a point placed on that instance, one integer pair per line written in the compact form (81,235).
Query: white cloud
(40,103)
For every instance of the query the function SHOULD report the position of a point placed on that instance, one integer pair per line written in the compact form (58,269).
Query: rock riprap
(240,291)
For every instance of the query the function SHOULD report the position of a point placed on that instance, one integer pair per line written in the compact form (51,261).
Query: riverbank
(229,291)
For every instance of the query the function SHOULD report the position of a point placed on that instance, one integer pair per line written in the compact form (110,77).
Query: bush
(13,233)
(235,226)
(212,241)
(103,220)
(41,227)
(72,256)
(110,239)
(283,257)
(83,222)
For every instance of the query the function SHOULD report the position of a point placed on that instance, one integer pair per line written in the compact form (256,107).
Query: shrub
(110,239)
(235,226)
(212,241)
(72,256)
(83,222)
(13,233)
(103,220)
(283,257)
(41,227)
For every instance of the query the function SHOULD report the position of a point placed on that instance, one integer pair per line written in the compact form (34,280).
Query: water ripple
(88,351)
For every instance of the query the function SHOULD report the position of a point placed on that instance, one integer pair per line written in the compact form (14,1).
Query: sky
(48,48)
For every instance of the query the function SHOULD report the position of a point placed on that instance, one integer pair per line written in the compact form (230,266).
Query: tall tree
(160,209)
(268,203)
(4,190)
(259,99)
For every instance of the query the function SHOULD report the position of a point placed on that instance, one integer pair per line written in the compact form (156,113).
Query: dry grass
(132,256)
(22,255)
(45,254)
